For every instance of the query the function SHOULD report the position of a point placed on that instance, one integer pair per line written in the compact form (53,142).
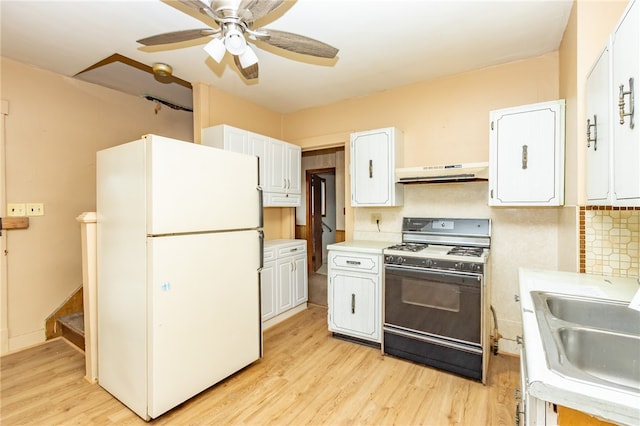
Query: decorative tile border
(610,240)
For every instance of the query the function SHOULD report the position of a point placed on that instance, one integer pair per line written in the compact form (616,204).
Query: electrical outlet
(35,209)
(16,209)
(376,218)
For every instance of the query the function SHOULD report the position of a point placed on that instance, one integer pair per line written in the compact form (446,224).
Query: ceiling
(383,43)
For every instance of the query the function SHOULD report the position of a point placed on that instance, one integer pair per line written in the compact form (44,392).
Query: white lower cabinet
(354,295)
(283,277)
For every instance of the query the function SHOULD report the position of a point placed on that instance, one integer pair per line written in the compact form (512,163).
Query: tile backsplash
(610,241)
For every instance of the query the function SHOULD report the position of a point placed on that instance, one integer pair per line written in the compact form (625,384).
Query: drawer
(269,254)
(355,262)
(291,250)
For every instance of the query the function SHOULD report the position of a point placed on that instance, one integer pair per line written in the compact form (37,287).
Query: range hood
(443,173)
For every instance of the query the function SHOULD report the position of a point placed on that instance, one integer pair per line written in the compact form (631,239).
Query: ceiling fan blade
(252,10)
(250,72)
(177,36)
(195,4)
(298,43)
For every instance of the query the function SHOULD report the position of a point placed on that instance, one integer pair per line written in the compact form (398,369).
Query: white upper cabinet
(279,162)
(598,136)
(613,138)
(526,155)
(626,140)
(285,175)
(375,154)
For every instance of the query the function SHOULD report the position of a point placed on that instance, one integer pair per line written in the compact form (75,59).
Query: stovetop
(436,251)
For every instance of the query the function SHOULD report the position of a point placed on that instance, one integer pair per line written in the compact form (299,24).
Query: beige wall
(54,128)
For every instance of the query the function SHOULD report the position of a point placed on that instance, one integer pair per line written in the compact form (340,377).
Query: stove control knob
(460,266)
(476,268)
(400,260)
(428,263)
(388,259)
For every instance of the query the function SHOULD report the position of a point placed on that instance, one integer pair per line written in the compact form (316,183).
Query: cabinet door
(259,146)
(626,66)
(526,165)
(373,168)
(285,283)
(294,158)
(268,290)
(300,278)
(277,176)
(227,138)
(598,138)
(352,305)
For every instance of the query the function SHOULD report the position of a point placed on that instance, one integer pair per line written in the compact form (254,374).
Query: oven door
(436,303)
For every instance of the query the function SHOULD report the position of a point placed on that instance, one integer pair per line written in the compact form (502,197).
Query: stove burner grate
(466,251)
(411,247)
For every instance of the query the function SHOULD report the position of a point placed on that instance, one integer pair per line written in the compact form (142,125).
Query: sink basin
(593,313)
(592,340)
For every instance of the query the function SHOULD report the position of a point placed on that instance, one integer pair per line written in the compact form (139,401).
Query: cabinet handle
(353,303)
(353,262)
(294,249)
(525,156)
(621,103)
(516,297)
(595,133)
(370,168)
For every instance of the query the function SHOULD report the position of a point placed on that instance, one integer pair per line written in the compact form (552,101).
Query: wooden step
(72,327)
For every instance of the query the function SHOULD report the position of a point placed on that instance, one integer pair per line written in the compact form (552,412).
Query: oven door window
(437,303)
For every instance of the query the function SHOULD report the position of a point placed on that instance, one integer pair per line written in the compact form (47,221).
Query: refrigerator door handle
(261,236)
(260,206)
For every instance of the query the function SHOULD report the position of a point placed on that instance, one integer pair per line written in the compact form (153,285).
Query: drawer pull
(353,303)
(353,262)
(294,249)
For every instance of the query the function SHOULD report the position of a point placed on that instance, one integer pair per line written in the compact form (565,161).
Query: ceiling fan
(236,19)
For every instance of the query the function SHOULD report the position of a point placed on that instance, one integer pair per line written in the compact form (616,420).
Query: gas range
(449,244)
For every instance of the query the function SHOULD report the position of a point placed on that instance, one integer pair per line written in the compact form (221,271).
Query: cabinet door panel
(353,304)
(527,155)
(598,105)
(268,290)
(626,64)
(285,284)
(300,278)
(371,169)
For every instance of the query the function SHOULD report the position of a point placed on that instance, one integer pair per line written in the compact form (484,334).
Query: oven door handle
(427,271)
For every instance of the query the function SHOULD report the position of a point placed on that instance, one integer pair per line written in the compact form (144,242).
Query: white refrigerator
(179,229)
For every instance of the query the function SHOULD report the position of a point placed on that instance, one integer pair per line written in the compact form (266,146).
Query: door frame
(4,286)
(309,233)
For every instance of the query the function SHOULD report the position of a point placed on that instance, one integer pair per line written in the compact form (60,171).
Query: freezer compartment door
(204,320)
(192,188)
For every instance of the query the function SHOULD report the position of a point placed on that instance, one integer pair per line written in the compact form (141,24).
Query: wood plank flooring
(305,377)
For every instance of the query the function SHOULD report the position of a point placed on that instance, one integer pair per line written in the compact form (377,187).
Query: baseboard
(24,341)
(4,341)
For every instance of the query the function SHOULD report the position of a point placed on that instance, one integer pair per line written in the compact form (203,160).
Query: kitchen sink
(591,340)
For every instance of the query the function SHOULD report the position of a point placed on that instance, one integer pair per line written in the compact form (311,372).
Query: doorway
(321,216)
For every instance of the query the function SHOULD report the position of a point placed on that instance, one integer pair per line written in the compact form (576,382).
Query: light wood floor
(305,377)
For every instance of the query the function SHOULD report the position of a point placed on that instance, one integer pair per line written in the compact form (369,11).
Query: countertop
(362,246)
(608,404)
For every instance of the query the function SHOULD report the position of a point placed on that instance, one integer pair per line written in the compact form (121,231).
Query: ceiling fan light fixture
(234,42)
(248,58)
(216,49)
(162,70)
